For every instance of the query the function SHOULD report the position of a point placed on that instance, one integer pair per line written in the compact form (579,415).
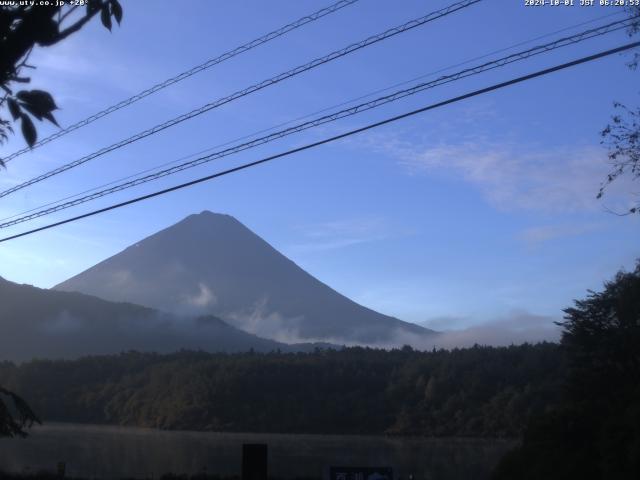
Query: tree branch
(76,26)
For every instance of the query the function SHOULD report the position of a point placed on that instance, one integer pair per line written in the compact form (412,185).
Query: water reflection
(109,452)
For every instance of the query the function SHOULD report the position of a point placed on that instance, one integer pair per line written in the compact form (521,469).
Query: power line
(562,42)
(308,115)
(466,62)
(474,93)
(189,73)
(249,90)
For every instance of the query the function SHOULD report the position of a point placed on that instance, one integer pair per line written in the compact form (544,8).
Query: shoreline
(60,425)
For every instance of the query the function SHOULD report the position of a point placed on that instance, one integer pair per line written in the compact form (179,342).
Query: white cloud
(340,234)
(361,226)
(264,322)
(327,245)
(444,322)
(120,279)
(87,59)
(204,297)
(513,329)
(534,236)
(26,259)
(63,323)
(512,176)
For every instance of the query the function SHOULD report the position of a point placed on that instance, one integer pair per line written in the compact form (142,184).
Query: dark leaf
(28,130)
(14,108)
(105,16)
(92,6)
(46,30)
(42,101)
(38,103)
(51,118)
(116,10)
(33,111)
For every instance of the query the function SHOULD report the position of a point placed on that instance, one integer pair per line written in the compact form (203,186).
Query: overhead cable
(188,73)
(334,138)
(249,90)
(347,112)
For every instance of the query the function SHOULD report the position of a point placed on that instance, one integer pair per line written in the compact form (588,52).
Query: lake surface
(111,452)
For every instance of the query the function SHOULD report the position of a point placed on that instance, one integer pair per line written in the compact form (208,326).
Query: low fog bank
(68,336)
(39,323)
(514,329)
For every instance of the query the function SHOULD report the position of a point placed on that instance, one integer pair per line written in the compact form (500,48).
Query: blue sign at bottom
(360,473)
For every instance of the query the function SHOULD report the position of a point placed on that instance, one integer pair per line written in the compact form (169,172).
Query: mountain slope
(37,323)
(211,263)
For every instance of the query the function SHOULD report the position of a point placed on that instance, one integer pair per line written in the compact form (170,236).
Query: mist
(516,328)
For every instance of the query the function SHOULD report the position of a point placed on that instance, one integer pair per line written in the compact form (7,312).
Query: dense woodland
(575,405)
(481,391)
(594,431)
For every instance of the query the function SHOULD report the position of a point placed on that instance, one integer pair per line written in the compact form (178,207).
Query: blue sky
(479,213)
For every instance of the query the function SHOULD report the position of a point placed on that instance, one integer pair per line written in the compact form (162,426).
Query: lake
(111,452)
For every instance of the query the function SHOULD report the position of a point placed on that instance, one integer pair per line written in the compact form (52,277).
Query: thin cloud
(516,328)
(340,234)
(361,226)
(204,297)
(512,176)
(444,322)
(535,236)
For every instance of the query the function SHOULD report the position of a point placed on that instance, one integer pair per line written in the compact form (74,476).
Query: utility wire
(247,91)
(189,73)
(308,115)
(349,133)
(562,42)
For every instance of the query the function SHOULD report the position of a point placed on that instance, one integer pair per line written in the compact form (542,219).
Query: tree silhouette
(594,433)
(15,415)
(23,27)
(622,135)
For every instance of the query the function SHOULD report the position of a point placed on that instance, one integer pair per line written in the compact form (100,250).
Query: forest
(480,391)
(574,406)
(593,433)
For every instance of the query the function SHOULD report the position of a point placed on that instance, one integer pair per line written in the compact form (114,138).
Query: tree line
(480,391)
(593,433)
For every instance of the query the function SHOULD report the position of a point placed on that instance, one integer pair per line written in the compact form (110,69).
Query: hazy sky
(482,211)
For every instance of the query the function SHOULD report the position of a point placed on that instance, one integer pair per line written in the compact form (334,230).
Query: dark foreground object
(594,432)
(254,461)
(167,476)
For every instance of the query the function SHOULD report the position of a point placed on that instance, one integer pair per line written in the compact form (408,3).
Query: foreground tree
(23,27)
(15,415)
(595,431)
(622,135)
